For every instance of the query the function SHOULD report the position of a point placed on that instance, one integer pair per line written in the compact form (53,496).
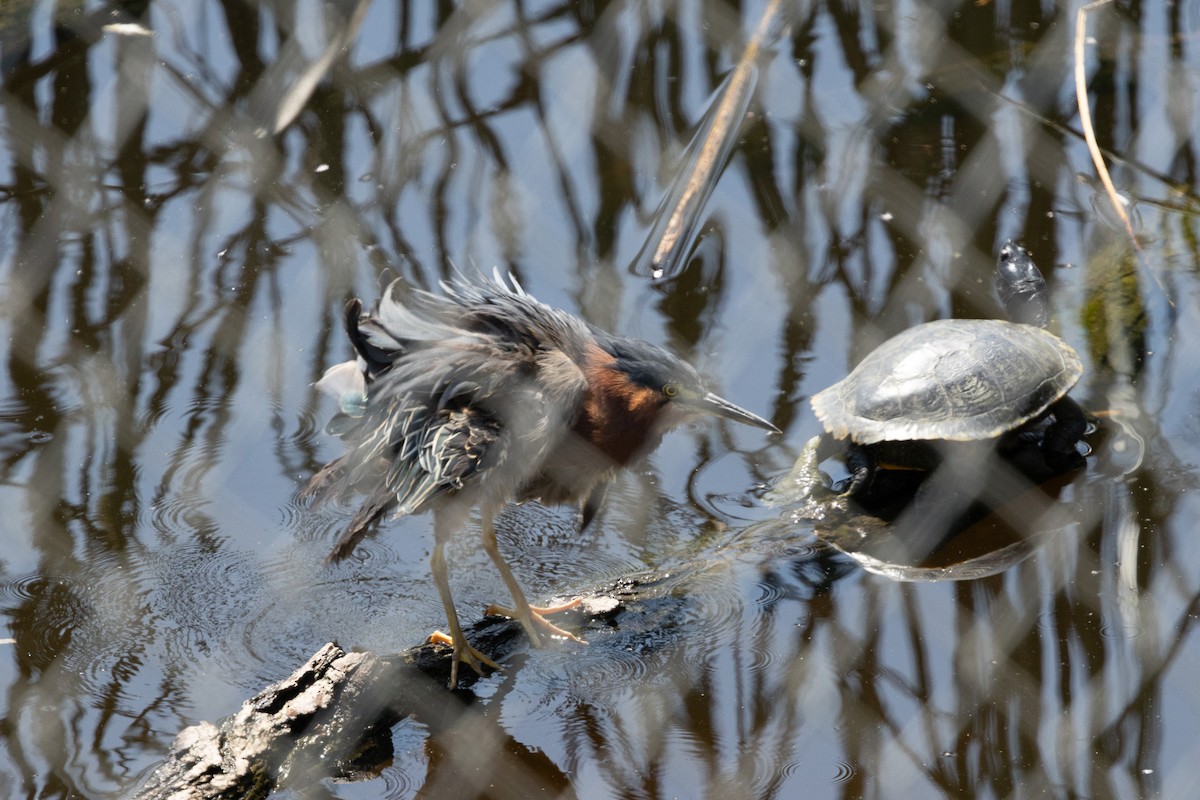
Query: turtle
(997,383)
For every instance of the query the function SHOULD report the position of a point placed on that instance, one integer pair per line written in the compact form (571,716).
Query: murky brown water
(172,274)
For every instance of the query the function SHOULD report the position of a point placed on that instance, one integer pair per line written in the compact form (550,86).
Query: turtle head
(1021,287)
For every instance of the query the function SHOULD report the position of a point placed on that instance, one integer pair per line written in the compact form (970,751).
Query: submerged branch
(710,152)
(1085,119)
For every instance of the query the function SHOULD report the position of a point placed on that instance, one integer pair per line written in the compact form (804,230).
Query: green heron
(482,396)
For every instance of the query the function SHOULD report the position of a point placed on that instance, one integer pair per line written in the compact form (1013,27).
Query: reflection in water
(901,529)
(171,274)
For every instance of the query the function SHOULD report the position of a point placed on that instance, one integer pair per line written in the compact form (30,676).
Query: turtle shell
(953,379)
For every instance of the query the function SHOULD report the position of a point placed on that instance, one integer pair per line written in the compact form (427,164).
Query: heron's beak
(709,403)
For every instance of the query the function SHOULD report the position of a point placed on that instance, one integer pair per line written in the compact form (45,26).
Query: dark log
(332,717)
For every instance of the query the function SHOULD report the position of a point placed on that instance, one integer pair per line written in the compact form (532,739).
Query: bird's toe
(535,622)
(462,653)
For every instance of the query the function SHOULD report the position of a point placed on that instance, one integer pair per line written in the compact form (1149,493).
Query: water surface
(180,225)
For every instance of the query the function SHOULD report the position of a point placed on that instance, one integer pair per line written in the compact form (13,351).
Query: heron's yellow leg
(463,651)
(530,618)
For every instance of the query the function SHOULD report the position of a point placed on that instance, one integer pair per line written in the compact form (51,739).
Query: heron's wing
(454,386)
(429,454)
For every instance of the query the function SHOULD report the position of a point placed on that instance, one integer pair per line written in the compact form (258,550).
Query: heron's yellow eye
(671,390)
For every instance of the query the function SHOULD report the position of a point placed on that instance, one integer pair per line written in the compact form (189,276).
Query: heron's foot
(464,653)
(558,609)
(535,621)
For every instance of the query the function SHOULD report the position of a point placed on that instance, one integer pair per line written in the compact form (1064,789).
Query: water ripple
(199,580)
(588,673)
(44,612)
(610,661)
(762,658)
(201,592)
(405,779)
(309,523)
(309,424)
(790,768)
(551,555)
(409,768)
(312,603)
(844,771)
(177,513)
(94,631)
(26,587)
(716,605)
(768,591)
